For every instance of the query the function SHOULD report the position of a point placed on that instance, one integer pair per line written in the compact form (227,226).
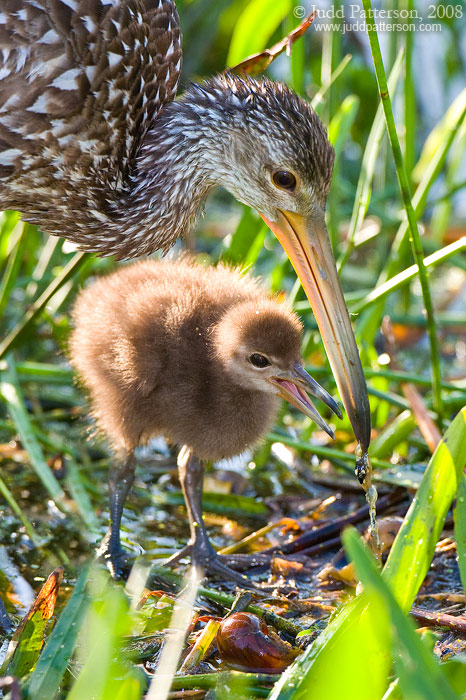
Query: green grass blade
(395,432)
(448,124)
(407,275)
(156,614)
(408,206)
(42,372)
(460,528)
(322,451)
(319,96)
(341,124)
(255,26)
(43,266)
(13,338)
(28,639)
(338,133)
(394,377)
(53,661)
(326,62)
(255,247)
(10,499)
(8,222)
(432,160)
(413,549)
(455,672)
(409,91)
(342,645)
(369,323)
(11,394)
(106,674)
(13,265)
(79,494)
(421,678)
(248,228)
(413,378)
(445,205)
(222,503)
(369,160)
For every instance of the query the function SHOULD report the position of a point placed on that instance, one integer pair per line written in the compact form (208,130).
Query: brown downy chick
(198,355)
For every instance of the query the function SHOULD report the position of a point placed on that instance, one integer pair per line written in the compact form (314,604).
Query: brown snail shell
(247,643)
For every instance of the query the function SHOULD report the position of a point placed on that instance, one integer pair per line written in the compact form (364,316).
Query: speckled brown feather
(153,342)
(81,82)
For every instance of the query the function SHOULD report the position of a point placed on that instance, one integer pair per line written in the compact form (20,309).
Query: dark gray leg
(203,555)
(191,473)
(120,481)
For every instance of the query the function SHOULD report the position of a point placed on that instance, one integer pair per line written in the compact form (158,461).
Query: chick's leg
(120,481)
(191,473)
(203,555)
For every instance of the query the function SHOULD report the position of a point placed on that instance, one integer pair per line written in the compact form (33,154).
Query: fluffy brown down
(156,345)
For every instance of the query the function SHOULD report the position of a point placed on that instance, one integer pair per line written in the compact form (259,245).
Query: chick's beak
(293,386)
(306,242)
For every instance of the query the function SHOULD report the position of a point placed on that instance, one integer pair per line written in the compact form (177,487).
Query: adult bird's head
(268,148)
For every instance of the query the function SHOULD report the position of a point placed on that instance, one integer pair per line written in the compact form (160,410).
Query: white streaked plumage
(94,148)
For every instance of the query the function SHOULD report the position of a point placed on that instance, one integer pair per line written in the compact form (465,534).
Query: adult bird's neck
(177,166)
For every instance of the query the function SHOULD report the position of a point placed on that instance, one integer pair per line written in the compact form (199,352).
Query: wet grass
(400,246)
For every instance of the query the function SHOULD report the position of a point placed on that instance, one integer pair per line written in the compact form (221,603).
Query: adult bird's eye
(258,360)
(284,179)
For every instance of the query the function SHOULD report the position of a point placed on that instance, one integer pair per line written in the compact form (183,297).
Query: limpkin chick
(198,355)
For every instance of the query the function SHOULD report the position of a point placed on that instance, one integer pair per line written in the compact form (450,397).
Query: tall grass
(381,136)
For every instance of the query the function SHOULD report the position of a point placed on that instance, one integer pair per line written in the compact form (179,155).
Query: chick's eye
(258,360)
(284,179)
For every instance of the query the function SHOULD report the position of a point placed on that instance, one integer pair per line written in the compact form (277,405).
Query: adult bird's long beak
(306,242)
(293,386)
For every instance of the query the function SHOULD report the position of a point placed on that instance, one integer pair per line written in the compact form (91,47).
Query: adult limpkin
(93,148)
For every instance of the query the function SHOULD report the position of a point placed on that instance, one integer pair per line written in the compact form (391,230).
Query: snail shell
(247,643)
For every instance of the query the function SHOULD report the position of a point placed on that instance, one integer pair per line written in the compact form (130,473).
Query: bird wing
(80,83)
